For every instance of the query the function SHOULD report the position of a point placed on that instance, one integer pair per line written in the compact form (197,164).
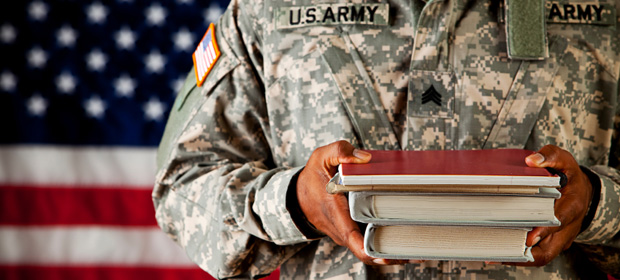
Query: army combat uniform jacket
(294,75)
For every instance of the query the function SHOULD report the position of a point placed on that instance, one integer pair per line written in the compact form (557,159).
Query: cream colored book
(455,208)
(427,242)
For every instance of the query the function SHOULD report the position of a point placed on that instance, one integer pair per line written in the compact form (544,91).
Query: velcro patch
(332,14)
(206,55)
(590,12)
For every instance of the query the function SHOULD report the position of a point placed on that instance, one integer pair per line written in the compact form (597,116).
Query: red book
(462,167)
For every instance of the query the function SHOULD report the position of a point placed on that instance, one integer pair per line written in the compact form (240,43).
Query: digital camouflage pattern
(232,146)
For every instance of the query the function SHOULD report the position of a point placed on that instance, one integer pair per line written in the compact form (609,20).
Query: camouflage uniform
(395,74)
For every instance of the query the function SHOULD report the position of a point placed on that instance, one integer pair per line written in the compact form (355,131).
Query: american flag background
(85,90)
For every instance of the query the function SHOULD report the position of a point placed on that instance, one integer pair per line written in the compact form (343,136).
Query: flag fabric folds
(85,90)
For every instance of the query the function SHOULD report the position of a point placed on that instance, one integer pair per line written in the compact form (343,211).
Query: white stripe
(212,50)
(202,60)
(209,58)
(199,54)
(71,166)
(211,53)
(200,46)
(205,57)
(199,66)
(69,246)
(205,65)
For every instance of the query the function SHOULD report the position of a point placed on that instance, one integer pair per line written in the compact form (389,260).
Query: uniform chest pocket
(432,94)
(306,111)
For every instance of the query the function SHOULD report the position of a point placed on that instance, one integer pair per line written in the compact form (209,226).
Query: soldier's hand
(570,209)
(329,213)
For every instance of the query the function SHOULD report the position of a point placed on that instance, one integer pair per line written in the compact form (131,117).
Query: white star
(38,10)
(66,36)
(37,105)
(156,14)
(66,83)
(212,13)
(125,38)
(7,33)
(153,109)
(8,81)
(96,60)
(95,107)
(37,57)
(177,84)
(125,85)
(155,62)
(96,13)
(183,40)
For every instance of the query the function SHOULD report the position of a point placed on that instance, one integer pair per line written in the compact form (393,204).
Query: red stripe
(212,51)
(200,59)
(207,60)
(94,273)
(104,273)
(207,55)
(56,205)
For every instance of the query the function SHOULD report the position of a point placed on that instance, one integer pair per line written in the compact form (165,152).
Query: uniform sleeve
(605,207)
(604,212)
(218,192)
(600,238)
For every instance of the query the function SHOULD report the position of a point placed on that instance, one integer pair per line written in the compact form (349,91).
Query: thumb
(343,152)
(535,160)
(361,156)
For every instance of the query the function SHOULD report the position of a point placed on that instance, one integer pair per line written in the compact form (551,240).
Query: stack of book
(449,205)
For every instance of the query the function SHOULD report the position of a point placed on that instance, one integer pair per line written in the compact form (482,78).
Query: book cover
(461,167)
(424,242)
(529,210)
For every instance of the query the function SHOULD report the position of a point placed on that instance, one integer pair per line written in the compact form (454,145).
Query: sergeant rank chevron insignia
(431,94)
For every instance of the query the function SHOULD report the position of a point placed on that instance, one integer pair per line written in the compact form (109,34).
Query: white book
(428,242)
(511,210)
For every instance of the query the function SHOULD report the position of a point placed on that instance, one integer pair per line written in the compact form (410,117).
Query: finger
(347,231)
(549,248)
(355,242)
(566,210)
(546,251)
(344,152)
(356,245)
(539,233)
(554,157)
(570,207)
(350,234)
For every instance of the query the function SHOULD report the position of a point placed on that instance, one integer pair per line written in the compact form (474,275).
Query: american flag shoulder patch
(206,55)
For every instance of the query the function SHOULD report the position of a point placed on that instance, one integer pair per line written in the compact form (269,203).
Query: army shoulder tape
(580,13)
(331,14)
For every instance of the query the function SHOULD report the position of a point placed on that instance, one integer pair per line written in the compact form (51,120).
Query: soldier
(284,91)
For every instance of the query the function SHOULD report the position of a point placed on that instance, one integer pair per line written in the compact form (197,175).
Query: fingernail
(536,240)
(379,261)
(537,158)
(360,154)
